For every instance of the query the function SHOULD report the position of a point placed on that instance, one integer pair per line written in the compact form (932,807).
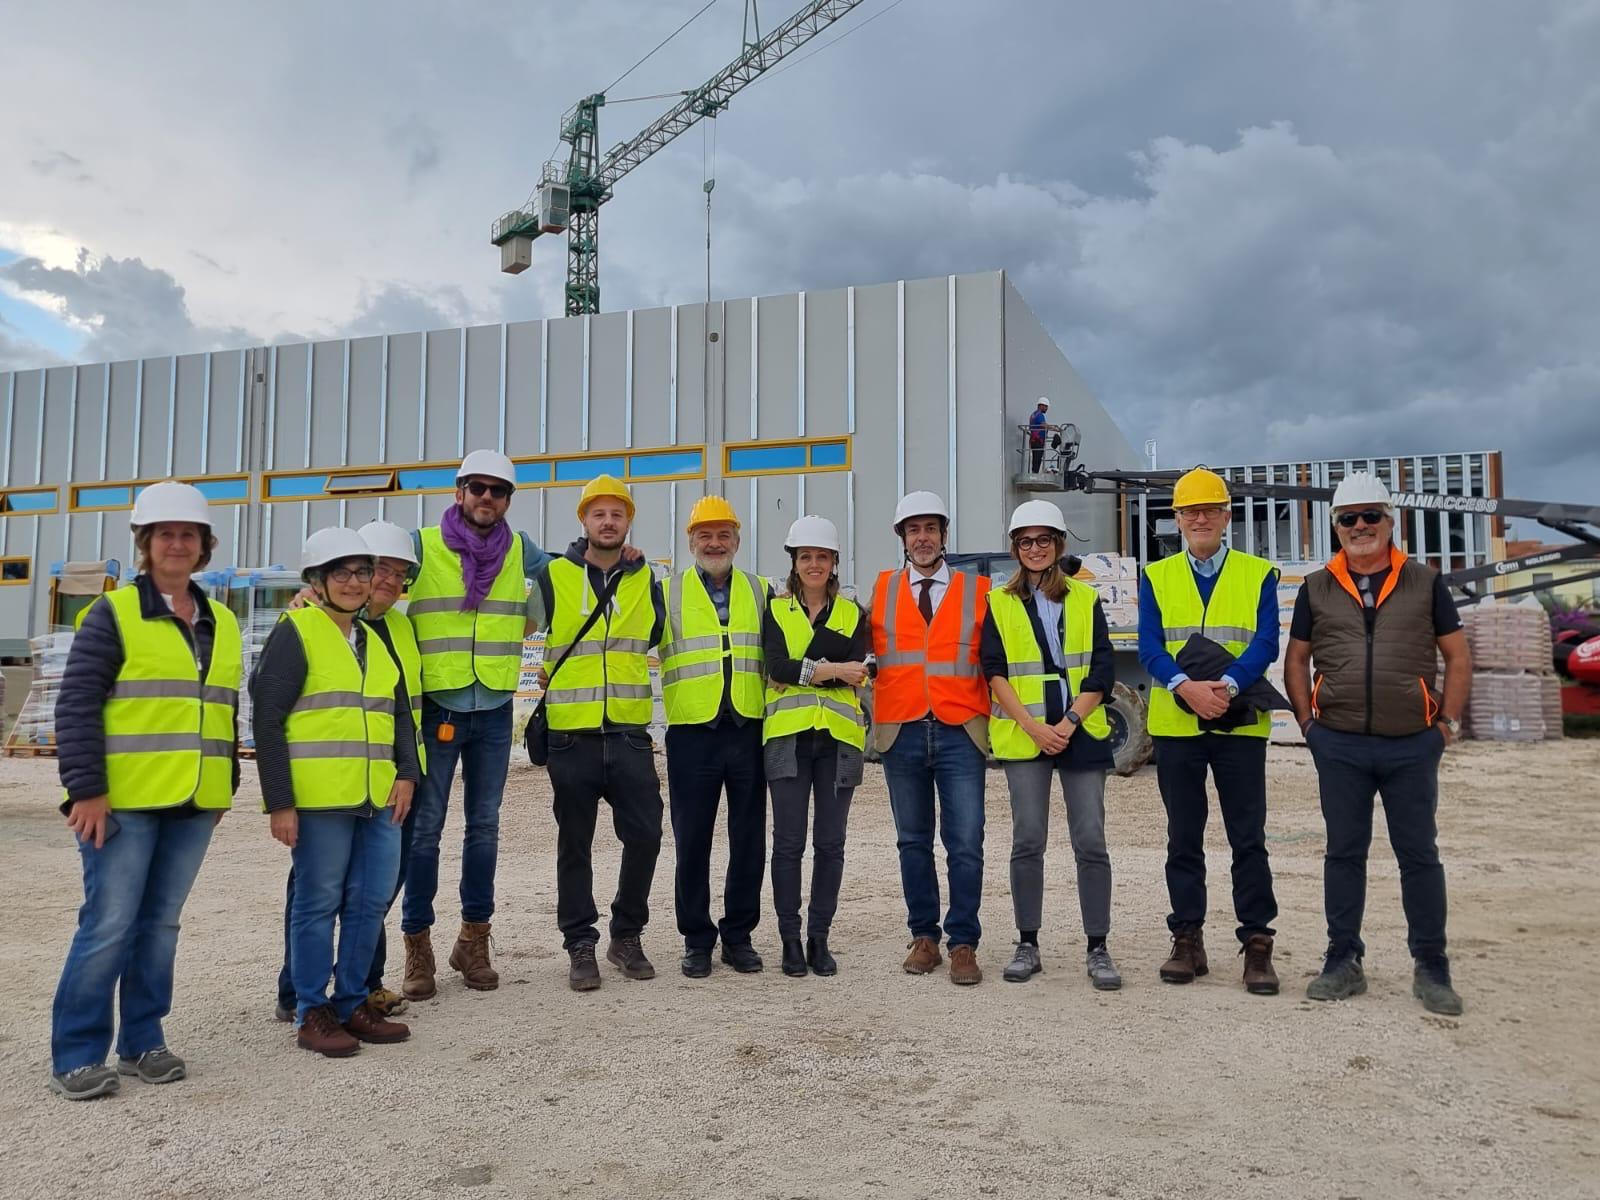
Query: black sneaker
(1431,985)
(697,962)
(742,957)
(584,974)
(1341,979)
(627,954)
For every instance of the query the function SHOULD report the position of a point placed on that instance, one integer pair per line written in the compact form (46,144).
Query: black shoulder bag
(537,738)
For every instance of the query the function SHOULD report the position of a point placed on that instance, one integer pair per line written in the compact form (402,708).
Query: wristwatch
(1453,725)
(1074,717)
(1233,688)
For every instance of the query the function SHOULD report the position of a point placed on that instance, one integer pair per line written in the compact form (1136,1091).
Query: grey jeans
(1029,782)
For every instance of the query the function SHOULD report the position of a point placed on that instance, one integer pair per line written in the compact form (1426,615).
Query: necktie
(925,601)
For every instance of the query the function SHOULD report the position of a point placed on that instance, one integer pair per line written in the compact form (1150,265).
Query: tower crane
(570,194)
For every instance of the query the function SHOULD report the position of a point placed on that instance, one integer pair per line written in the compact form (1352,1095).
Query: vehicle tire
(1131,746)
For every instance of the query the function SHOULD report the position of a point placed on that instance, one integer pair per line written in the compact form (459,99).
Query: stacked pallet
(35,730)
(1515,694)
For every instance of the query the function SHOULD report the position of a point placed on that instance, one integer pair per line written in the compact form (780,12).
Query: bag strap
(601,601)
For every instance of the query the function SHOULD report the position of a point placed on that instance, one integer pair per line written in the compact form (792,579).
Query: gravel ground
(873,1083)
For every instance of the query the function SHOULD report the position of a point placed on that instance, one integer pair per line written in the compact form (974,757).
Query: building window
(360,483)
(581,470)
(107,497)
(786,457)
(28,502)
(15,569)
(667,464)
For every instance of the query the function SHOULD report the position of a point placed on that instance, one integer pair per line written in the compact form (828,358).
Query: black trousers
(1351,769)
(619,767)
(702,761)
(1239,768)
(793,801)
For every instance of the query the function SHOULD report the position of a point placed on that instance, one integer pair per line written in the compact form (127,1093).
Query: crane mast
(570,195)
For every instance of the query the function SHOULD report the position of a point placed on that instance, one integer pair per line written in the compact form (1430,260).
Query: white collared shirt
(941,581)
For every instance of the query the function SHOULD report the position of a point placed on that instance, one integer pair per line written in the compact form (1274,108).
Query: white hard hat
(1359,488)
(1045,400)
(1037,512)
(170,500)
(387,540)
(818,532)
(919,504)
(332,545)
(488,462)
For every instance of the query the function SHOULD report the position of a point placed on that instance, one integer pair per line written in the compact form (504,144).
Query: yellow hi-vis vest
(795,709)
(482,644)
(1228,619)
(169,735)
(607,675)
(1026,670)
(697,644)
(409,660)
(341,729)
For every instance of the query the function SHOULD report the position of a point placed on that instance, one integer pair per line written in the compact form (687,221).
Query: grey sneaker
(86,1083)
(1103,971)
(1339,980)
(153,1066)
(1024,964)
(1431,985)
(283,1012)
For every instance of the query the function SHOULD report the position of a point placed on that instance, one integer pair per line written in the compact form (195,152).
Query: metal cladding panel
(443,402)
(878,453)
(827,363)
(1034,367)
(329,422)
(778,367)
(222,440)
(608,381)
(190,416)
(523,384)
(88,422)
(927,387)
(366,403)
(289,445)
(405,402)
(979,506)
(735,370)
(695,367)
(565,413)
(483,430)
(652,378)
(25,454)
(121,427)
(154,427)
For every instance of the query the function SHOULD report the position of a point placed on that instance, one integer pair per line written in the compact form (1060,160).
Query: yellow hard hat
(1200,486)
(708,509)
(605,485)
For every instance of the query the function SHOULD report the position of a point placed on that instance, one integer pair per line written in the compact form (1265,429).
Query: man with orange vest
(930,714)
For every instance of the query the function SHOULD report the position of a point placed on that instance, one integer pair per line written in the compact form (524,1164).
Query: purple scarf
(481,557)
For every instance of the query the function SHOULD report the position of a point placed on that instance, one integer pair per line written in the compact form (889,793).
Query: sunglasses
(500,491)
(346,574)
(1043,541)
(1371,516)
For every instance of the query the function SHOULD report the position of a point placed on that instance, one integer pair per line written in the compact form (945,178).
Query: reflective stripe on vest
(170,736)
(341,728)
(697,644)
(607,675)
(925,667)
(409,660)
(1229,618)
(1027,673)
(483,644)
(795,709)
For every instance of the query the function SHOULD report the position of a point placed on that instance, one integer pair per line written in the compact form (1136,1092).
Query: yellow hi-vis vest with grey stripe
(1026,670)
(607,675)
(795,709)
(169,735)
(1229,619)
(410,664)
(482,644)
(341,729)
(697,644)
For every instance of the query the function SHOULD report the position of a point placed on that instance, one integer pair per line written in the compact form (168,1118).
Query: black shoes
(818,957)
(794,958)
(697,962)
(626,954)
(742,957)
(584,973)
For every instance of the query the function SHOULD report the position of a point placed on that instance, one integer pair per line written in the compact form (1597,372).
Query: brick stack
(1515,694)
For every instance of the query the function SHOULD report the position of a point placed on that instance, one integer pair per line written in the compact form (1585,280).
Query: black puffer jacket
(92,666)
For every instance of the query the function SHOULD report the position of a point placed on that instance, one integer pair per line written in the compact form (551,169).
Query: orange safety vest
(929,666)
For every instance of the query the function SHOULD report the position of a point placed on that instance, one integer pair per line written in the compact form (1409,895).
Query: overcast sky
(1261,229)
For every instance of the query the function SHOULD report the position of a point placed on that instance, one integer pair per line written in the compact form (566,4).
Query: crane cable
(835,41)
(658,46)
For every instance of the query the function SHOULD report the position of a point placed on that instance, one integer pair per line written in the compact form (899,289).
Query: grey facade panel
(523,340)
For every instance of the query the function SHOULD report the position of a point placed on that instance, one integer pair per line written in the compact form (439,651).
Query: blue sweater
(1250,666)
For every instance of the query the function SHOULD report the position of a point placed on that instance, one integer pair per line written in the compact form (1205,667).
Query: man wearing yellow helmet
(1230,598)
(712,682)
(602,611)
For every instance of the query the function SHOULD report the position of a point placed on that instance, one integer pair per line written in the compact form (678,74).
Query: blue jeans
(134,887)
(379,956)
(929,755)
(482,744)
(344,866)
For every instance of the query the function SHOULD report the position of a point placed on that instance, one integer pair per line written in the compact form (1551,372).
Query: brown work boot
(418,984)
(627,954)
(1259,977)
(964,968)
(322,1033)
(1188,956)
(471,957)
(924,956)
(368,1025)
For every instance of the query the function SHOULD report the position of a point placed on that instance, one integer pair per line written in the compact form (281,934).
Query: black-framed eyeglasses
(346,574)
(500,491)
(1372,516)
(1027,542)
(383,572)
